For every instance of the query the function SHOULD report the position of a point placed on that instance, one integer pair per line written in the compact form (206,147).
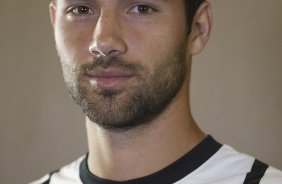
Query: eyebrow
(75,0)
(120,0)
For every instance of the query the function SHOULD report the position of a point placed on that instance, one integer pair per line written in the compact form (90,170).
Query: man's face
(123,61)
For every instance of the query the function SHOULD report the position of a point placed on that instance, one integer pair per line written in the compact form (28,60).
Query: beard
(139,102)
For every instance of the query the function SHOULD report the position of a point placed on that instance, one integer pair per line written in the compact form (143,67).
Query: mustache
(107,62)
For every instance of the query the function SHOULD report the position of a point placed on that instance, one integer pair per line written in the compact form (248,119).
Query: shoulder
(249,169)
(68,174)
(230,166)
(272,175)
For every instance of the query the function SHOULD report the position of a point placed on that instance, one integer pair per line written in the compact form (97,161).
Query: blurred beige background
(236,87)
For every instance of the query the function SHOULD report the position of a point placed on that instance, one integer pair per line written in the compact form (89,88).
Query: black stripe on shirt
(50,175)
(48,181)
(257,172)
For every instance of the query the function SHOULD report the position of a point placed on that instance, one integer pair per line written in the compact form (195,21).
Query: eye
(142,9)
(81,10)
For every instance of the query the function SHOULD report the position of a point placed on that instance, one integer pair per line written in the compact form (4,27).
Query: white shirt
(208,163)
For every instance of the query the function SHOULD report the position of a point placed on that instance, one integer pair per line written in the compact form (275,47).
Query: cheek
(156,46)
(72,42)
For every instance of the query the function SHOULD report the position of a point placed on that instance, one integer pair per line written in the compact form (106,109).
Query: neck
(113,155)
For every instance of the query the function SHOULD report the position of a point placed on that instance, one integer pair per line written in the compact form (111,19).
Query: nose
(107,37)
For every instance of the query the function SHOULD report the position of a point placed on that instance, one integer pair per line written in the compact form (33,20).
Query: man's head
(124,61)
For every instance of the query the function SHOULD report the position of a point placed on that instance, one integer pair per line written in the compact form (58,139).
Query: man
(127,63)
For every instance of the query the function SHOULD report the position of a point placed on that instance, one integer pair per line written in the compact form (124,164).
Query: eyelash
(75,10)
(136,7)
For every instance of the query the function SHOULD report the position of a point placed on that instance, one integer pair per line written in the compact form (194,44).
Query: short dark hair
(191,7)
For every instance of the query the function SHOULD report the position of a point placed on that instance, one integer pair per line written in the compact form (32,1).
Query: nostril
(114,53)
(96,53)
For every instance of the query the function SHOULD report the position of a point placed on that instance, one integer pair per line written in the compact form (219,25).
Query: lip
(108,78)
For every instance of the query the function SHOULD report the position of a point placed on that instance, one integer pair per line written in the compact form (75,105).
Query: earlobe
(201,28)
(52,11)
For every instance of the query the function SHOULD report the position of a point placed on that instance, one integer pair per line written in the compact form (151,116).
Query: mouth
(109,78)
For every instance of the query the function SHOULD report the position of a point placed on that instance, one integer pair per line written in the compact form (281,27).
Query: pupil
(143,9)
(83,10)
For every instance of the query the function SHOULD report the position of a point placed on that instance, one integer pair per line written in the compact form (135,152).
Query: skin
(115,28)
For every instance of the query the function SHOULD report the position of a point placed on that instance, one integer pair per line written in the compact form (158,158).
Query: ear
(201,28)
(52,11)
